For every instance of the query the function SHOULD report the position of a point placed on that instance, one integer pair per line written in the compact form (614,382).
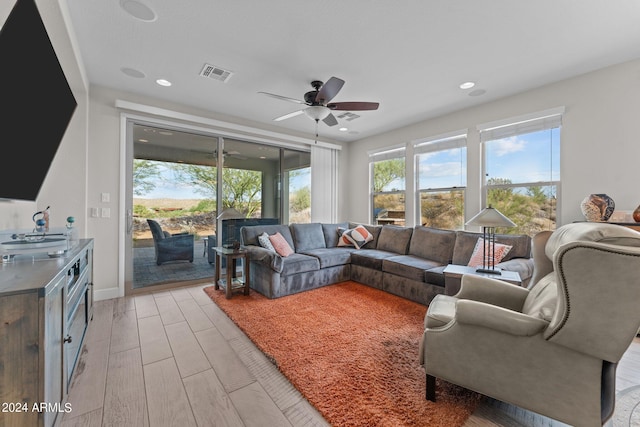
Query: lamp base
(489,271)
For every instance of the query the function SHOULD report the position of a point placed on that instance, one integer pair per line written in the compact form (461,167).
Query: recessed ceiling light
(263,157)
(477,92)
(163,82)
(165,132)
(467,85)
(143,140)
(132,72)
(138,10)
(343,129)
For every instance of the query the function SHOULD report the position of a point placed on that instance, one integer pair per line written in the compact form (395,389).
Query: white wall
(600,140)
(64,188)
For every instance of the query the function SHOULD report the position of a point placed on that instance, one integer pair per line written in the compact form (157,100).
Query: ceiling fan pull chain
(317,120)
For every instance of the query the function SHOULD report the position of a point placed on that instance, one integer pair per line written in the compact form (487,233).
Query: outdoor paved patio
(146,272)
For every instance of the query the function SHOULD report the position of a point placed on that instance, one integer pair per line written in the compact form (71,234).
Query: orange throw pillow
(476,257)
(280,245)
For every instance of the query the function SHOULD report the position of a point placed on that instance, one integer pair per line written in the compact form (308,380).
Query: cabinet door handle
(68,338)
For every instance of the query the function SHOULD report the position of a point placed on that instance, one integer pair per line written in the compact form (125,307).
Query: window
(388,186)
(522,171)
(441,176)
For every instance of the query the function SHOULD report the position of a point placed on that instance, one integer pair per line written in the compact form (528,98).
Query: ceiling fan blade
(330,120)
(353,106)
(288,116)
(329,90)
(284,98)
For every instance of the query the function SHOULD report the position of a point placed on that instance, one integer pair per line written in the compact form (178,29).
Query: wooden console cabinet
(45,306)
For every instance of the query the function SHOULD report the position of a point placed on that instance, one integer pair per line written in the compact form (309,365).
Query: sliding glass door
(177,188)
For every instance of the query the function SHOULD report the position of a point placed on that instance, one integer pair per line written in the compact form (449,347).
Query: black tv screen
(37,103)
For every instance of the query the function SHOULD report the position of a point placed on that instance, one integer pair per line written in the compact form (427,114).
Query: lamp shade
(230,213)
(490,217)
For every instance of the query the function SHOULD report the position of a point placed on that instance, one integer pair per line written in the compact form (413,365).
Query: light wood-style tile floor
(173,358)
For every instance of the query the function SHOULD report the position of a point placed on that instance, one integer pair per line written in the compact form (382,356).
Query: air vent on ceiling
(216,73)
(348,116)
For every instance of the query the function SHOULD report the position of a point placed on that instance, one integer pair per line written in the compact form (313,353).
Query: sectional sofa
(404,261)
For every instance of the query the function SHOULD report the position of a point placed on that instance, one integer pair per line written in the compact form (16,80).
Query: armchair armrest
(498,318)
(265,256)
(492,291)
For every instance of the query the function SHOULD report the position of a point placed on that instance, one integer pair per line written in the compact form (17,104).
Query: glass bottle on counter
(72,232)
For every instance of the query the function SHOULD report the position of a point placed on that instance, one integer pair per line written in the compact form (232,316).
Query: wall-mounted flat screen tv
(37,103)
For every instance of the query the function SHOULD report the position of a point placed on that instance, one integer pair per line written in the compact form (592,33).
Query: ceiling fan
(318,102)
(234,154)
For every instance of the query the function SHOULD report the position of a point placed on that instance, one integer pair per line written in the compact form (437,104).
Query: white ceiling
(409,55)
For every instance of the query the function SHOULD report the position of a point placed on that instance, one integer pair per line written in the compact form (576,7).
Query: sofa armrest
(498,318)
(492,291)
(265,256)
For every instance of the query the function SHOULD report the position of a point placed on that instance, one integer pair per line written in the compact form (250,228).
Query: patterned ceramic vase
(597,207)
(636,214)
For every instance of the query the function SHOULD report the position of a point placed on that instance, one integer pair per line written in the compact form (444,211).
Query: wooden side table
(231,282)
(453,275)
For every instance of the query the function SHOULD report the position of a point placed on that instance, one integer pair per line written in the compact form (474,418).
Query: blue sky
(522,158)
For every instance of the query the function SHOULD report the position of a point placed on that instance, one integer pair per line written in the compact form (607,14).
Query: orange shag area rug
(352,351)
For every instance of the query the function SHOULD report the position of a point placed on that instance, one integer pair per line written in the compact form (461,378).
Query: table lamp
(489,218)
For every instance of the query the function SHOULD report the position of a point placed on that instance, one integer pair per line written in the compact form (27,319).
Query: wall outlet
(106,197)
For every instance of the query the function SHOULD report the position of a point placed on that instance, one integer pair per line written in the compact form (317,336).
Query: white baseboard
(102,294)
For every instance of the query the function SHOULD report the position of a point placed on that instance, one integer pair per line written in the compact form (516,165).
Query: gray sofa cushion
(370,258)
(433,244)
(250,233)
(409,266)
(330,257)
(466,241)
(330,232)
(307,236)
(395,239)
(299,263)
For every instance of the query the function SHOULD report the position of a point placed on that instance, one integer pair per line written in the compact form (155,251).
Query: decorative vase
(597,207)
(636,214)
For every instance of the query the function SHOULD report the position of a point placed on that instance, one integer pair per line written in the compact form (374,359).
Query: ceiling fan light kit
(317,112)
(318,100)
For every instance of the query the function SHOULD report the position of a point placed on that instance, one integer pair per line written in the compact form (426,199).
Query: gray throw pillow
(264,241)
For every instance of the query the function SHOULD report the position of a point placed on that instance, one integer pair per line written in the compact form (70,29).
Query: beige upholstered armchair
(553,348)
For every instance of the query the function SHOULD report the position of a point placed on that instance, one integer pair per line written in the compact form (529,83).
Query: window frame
(521,125)
(440,143)
(388,153)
